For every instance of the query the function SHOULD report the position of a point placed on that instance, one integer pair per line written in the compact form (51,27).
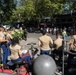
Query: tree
(46,8)
(71,5)
(49,7)
(25,12)
(38,9)
(7,7)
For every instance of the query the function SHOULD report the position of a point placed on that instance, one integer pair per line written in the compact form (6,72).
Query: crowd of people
(12,50)
(45,43)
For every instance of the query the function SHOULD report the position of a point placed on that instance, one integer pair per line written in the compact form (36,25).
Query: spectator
(64,34)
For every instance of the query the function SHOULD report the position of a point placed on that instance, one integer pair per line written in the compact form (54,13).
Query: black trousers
(0,54)
(70,57)
(57,52)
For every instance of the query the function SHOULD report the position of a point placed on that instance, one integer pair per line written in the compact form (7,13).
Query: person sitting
(16,52)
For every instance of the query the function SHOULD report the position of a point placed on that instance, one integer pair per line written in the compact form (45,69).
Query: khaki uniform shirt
(45,42)
(58,43)
(2,36)
(74,37)
(8,36)
(15,51)
(73,43)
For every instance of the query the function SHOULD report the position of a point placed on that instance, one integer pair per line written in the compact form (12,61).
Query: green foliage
(43,7)
(7,7)
(37,9)
(34,10)
(27,11)
(17,33)
(73,5)
(46,8)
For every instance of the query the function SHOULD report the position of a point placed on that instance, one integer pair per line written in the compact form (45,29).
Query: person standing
(3,44)
(72,47)
(44,42)
(64,34)
(58,47)
(25,34)
(8,35)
